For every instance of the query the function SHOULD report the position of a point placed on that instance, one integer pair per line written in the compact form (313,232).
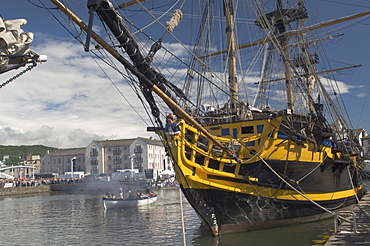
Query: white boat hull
(124,203)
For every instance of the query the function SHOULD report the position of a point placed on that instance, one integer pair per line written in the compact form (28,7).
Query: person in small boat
(108,195)
(172,127)
(120,192)
(130,195)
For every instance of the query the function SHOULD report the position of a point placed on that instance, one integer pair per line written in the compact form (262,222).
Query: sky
(67,101)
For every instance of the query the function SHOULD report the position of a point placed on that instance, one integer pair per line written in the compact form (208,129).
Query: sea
(70,219)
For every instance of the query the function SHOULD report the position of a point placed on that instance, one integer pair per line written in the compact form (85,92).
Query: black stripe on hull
(306,176)
(229,212)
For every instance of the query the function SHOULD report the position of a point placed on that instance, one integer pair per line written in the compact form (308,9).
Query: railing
(348,213)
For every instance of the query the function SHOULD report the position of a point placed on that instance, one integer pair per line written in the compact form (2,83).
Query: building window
(94,151)
(117,160)
(117,151)
(138,149)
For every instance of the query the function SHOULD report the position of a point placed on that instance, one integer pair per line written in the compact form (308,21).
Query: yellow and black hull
(274,181)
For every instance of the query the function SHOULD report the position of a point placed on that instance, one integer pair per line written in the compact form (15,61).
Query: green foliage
(14,152)
(13,160)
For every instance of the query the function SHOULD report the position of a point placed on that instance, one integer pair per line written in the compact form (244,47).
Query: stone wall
(24,190)
(93,188)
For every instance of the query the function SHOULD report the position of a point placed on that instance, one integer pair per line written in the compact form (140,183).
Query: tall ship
(243,103)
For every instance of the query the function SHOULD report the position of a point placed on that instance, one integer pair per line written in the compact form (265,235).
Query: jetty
(355,230)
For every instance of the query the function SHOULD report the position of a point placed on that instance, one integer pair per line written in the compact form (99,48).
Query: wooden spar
(175,107)
(321,72)
(125,5)
(84,27)
(293,32)
(231,62)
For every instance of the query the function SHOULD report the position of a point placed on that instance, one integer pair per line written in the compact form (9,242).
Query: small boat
(119,203)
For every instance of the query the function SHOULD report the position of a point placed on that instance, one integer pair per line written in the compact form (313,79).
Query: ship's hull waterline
(226,212)
(262,193)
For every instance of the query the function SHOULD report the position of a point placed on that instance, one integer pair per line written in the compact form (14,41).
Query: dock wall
(24,190)
(93,188)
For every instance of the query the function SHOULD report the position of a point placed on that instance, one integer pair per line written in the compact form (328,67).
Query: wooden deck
(346,234)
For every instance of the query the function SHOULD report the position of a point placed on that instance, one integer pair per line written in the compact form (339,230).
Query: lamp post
(72,159)
(132,166)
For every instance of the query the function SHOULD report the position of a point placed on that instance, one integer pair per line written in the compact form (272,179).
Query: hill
(15,151)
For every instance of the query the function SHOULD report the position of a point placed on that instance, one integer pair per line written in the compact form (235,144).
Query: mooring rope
(182,218)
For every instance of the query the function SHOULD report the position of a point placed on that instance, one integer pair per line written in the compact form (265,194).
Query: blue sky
(68,102)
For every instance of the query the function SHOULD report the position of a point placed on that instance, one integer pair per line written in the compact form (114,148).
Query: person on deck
(172,127)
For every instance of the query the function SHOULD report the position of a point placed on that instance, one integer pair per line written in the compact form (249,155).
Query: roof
(127,142)
(152,141)
(116,142)
(74,151)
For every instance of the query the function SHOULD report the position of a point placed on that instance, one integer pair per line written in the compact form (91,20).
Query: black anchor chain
(29,68)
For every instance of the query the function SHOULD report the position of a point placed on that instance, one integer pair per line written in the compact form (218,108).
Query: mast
(306,55)
(230,37)
(280,25)
(276,21)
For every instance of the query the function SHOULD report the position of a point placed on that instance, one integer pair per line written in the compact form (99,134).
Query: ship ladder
(347,214)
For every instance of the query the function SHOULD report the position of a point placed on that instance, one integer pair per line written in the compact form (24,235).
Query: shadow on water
(305,234)
(315,233)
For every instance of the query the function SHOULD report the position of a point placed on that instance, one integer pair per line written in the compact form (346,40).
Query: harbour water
(65,219)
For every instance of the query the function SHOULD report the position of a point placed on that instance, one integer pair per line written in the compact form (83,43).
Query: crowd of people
(28,182)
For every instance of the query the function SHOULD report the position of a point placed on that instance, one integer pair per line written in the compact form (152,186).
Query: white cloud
(362,94)
(66,102)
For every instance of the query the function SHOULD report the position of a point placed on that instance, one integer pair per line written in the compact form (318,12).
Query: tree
(13,160)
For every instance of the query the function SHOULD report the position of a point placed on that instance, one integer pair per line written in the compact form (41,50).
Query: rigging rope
(293,188)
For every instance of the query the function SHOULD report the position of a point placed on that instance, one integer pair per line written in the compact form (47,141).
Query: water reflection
(64,219)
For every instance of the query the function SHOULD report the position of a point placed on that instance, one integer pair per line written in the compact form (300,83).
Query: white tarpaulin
(167,172)
(6,176)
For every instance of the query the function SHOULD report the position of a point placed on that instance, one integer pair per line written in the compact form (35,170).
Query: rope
(308,199)
(293,188)
(182,218)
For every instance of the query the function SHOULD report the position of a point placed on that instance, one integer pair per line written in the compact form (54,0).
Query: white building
(106,157)
(60,161)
